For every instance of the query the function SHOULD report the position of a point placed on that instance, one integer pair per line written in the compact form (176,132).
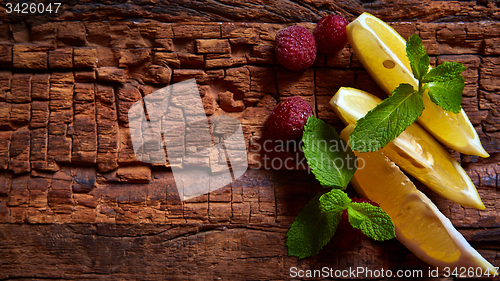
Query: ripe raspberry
(346,235)
(288,118)
(330,34)
(295,48)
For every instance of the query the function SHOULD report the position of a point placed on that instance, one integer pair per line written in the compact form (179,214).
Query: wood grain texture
(286,11)
(188,252)
(75,202)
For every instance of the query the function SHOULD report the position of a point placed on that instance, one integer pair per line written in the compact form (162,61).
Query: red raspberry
(295,48)
(288,118)
(330,34)
(346,235)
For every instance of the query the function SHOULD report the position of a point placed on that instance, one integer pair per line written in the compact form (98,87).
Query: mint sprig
(389,119)
(311,230)
(317,222)
(419,60)
(444,85)
(330,158)
(371,220)
(445,71)
(334,201)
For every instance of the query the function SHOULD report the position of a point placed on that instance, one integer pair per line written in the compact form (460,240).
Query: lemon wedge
(414,151)
(419,224)
(382,51)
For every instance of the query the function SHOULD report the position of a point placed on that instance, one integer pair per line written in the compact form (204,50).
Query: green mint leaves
(333,163)
(329,157)
(311,230)
(334,201)
(445,82)
(317,223)
(419,60)
(444,85)
(371,220)
(445,71)
(389,119)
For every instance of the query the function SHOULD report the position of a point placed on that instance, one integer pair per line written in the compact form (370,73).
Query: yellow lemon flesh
(419,224)
(414,150)
(382,51)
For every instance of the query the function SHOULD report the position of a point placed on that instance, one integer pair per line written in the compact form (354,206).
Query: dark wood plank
(75,202)
(195,252)
(269,11)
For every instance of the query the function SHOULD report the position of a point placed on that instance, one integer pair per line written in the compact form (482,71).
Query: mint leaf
(311,230)
(419,60)
(445,71)
(371,220)
(334,201)
(388,119)
(392,116)
(316,223)
(447,94)
(445,85)
(330,158)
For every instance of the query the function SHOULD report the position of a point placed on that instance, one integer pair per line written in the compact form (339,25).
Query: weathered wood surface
(76,204)
(268,11)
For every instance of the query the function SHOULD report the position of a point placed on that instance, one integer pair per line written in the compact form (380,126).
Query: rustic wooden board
(269,11)
(75,203)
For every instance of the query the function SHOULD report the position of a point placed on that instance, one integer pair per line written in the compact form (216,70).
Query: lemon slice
(382,51)
(414,150)
(419,224)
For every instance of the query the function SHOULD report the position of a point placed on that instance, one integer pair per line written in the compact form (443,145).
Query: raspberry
(346,235)
(288,118)
(330,34)
(295,48)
